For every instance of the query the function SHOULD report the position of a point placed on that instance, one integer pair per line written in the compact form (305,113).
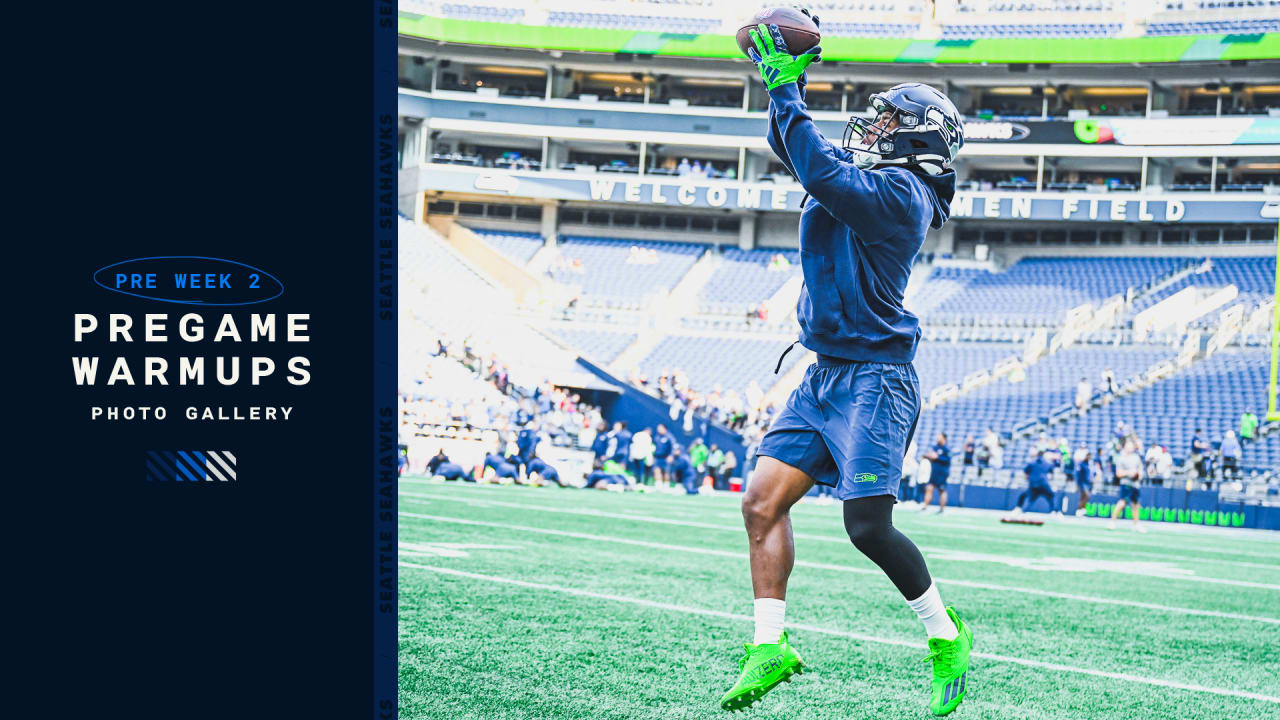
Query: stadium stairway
(683,298)
(524,286)
(442,290)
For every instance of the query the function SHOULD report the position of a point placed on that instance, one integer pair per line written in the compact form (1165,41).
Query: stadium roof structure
(1145,49)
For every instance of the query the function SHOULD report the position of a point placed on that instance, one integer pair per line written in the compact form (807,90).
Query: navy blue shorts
(848,425)
(936,478)
(1130,493)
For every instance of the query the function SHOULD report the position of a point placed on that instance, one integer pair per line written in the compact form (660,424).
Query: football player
(849,422)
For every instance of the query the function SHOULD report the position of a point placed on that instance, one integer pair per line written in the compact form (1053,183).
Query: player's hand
(816,22)
(776,63)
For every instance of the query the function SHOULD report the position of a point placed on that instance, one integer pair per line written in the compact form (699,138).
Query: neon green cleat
(763,667)
(950,667)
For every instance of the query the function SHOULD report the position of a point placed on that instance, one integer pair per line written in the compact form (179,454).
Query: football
(798,30)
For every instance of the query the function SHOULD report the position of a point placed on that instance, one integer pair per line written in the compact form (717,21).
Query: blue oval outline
(188,302)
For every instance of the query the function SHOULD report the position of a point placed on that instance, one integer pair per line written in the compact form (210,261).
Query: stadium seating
(621,21)
(1241,26)
(745,278)
(603,346)
(1050,384)
(519,246)
(1211,394)
(858,29)
(727,362)
(1062,30)
(483,13)
(1255,277)
(940,363)
(621,273)
(1038,291)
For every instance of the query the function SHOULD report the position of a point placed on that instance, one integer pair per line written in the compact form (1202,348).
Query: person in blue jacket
(663,443)
(940,458)
(848,424)
(546,473)
(683,472)
(1037,472)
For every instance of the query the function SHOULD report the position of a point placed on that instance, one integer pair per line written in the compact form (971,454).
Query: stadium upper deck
(1057,153)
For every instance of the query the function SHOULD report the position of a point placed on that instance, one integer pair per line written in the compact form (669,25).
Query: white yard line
(844,568)
(805,536)
(687,610)
(1235,535)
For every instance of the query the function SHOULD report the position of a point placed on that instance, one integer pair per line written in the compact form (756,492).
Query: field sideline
(546,603)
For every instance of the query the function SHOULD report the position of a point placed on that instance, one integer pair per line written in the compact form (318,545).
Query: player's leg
(766,507)
(1115,513)
(928,497)
(1020,506)
(942,498)
(880,408)
(1134,500)
(769,660)
(792,455)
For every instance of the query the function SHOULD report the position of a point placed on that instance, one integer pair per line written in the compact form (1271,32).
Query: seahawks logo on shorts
(864,477)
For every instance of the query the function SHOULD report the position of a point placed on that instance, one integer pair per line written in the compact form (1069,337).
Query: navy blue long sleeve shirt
(857,240)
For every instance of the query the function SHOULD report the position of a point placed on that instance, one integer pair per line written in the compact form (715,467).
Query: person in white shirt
(910,465)
(1108,381)
(1084,393)
(641,450)
(1129,473)
(1153,457)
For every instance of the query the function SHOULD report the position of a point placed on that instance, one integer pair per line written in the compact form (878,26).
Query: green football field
(548,603)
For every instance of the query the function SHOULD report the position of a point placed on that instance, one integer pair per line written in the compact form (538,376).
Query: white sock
(932,613)
(770,612)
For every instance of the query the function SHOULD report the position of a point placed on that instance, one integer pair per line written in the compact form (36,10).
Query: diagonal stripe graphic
(211,467)
(228,466)
(153,472)
(182,472)
(166,466)
(196,467)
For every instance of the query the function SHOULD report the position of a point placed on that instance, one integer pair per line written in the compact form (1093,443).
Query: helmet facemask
(870,140)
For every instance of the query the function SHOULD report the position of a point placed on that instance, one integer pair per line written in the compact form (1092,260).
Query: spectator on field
(663,445)
(619,448)
(1200,455)
(995,449)
(640,456)
(940,458)
(698,454)
(1154,463)
(1230,452)
(1083,475)
(727,468)
(682,471)
(714,460)
(1248,426)
(1084,393)
(910,466)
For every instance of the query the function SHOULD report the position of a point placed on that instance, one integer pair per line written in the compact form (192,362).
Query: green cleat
(950,667)
(763,667)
